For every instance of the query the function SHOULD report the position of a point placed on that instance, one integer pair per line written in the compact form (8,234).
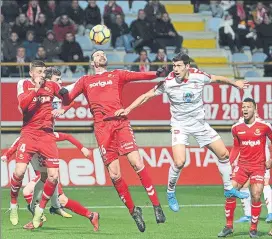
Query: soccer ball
(100,34)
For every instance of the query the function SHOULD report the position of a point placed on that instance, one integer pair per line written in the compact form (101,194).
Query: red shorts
(41,142)
(241,174)
(114,138)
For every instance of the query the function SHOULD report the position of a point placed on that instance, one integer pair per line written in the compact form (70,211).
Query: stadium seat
(106,46)
(251,74)
(170,56)
(239,58)
(124,6)
(85,42)
(152,56)
(214,24)
(170,49)
(83,4)
(259,57)
(129,19)
(88,53)
(101,5)
(113,58)
(137,5)
(130,57)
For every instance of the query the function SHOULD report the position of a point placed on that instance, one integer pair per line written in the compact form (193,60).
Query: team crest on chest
(257,132)
(188,97)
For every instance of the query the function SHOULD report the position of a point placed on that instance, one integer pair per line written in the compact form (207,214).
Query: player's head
(249,109)
(181,64)
(99,59)
(53,74)
(37,70)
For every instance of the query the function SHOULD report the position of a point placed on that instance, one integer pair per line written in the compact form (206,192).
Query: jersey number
(102,150)
(22,148)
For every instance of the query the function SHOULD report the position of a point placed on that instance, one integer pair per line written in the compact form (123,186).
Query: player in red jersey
(35,101)
(249,144)
(61,199)
(114,134)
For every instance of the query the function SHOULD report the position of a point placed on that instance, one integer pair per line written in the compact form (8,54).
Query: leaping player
(184,88)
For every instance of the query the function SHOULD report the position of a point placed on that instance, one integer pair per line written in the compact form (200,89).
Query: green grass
(204,219)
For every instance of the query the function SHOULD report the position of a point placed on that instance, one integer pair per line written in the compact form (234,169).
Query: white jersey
(57,101)
(185,97)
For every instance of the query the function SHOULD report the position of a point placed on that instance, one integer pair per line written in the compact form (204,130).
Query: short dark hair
(36,63)
(250,100)
(50,71)
(93,54)
(182,57)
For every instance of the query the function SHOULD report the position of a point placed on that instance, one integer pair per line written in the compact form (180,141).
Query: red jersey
(104,91)
(250,142)
(36,107)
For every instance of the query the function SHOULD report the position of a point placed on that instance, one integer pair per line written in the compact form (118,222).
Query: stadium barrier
(75,170)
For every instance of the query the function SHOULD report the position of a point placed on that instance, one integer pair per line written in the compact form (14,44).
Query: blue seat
(101,5)
(83,4)
(214,24)
(152,56)
(113,58)
(88,53)
(240,58)
(137,5)
(85,42)
(106,46)
(251,74)
(130,57)
(124,6)
(259,57)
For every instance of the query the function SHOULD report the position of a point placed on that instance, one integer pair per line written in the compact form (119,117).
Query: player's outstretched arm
(240,84)
(58,112)
(11,150)
(139,101)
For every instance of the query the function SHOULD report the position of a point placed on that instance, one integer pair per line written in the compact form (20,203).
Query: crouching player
(249,140)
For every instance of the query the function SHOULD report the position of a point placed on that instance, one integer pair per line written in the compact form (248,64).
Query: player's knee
(25,191)
(20,172)
(179,163)
(53,175)
(63,200)
(256,196)
(115,175)
(224,155)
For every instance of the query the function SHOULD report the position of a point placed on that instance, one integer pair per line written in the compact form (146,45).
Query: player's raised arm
(240,84)
(11,150)
(67,96)
(128,76)
(62,137)
(235,151)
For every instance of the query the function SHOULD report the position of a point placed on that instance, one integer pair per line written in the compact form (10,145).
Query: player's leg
(240,177)
(246,203)
(267,189)
(77,208)
(179,140)
(127,146)
(28,191)
(256,205)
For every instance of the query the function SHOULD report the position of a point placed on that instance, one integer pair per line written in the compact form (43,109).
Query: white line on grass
(146,206)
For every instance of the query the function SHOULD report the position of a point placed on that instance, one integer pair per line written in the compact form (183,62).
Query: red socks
(256,208)
(28,198)
(16,184)
(123,192)
(48,191)
(77,208)
(229,211)
(150,189)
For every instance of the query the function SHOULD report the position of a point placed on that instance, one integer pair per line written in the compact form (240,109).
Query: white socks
(55,199)
(37,193)
(268,198)
(225,171)
(173,177)
(246,203)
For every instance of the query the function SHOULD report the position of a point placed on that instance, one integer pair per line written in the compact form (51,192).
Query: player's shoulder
(264,123)
(24,82)
(238,124)
(170,76)
(196,73)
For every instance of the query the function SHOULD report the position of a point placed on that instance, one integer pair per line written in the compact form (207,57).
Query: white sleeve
(70,87)
(20,87)
(160,88)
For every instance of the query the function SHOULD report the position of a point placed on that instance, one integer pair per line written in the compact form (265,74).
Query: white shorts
(199,129)
(37,163)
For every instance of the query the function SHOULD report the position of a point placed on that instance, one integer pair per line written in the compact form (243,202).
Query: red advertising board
(76,170)
(221,105)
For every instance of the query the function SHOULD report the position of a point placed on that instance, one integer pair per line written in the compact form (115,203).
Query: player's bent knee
(115,175)
(63,199)
(179,164)
(20,170)
(224,155)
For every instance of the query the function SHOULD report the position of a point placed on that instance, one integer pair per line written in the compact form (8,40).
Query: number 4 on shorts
(22,148)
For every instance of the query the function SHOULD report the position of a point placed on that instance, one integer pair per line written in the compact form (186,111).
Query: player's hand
(161,71)
(242,84)
(122,112)
(87,153)
(4,158)
(57,112)
(38,83)
(268,164)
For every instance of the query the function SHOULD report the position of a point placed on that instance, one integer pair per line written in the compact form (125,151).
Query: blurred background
(229,38)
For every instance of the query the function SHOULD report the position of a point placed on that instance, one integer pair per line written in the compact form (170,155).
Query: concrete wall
(143,139)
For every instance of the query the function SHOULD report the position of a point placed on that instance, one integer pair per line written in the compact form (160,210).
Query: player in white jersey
(184,88)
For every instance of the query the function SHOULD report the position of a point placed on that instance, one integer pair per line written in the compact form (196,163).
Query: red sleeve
(234,153)
(269,133)
(76,91)
(25,96)
(12,148)
(70,138)
(127,76)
